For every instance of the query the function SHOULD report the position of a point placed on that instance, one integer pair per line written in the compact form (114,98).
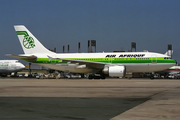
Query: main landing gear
(96,76)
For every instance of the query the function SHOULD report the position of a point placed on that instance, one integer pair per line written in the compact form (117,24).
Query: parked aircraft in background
(104,64)
(10,66)
(174,69)
(167,72)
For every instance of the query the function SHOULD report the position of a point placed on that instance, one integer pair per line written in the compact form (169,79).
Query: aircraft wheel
(90,77)
(103,77)
(151,77)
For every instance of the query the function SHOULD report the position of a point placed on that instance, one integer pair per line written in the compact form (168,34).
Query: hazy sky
(114,24)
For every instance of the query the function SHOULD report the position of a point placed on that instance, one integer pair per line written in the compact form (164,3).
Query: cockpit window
(167,58)
(17,62)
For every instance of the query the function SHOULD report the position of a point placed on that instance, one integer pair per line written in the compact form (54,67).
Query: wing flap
(90,64)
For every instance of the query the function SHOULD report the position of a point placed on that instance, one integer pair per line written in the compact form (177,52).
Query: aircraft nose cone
(21,66)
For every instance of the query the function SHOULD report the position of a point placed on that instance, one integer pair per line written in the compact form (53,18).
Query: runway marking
(7,89)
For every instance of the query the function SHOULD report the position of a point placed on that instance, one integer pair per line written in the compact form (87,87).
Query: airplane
(170,71)
(104,64)
(173,69)
(10,66)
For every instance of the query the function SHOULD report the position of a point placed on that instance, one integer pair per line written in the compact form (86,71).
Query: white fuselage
(133,66)
(9,66)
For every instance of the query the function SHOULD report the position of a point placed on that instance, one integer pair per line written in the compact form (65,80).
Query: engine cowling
(115,71)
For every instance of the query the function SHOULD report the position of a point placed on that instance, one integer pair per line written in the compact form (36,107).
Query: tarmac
(83,99)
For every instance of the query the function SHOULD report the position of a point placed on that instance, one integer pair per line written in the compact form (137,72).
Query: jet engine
(115,71)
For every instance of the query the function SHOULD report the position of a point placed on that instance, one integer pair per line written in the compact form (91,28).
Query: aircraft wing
(90,64)
(24,57)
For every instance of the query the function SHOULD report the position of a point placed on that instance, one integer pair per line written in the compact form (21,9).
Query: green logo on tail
(28,41)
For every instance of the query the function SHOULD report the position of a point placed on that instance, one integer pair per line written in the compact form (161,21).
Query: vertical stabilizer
(28,42)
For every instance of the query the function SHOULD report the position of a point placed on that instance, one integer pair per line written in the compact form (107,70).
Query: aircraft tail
(28,42)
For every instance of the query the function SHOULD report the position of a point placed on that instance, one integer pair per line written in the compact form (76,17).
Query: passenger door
(153,58)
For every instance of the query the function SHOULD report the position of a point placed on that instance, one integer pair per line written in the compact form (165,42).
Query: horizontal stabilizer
(31,58)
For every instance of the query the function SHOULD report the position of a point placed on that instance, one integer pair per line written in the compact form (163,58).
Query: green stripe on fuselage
(108,60)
